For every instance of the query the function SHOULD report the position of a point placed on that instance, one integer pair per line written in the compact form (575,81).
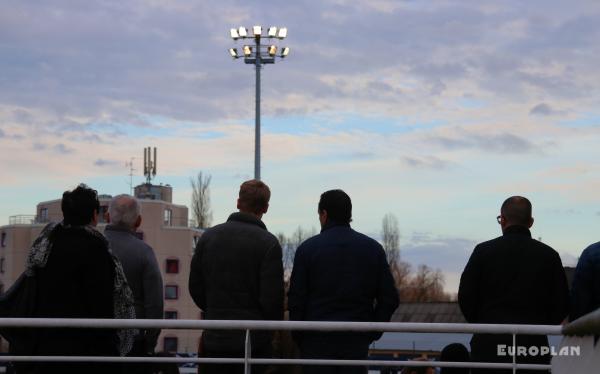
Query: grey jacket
(143,275)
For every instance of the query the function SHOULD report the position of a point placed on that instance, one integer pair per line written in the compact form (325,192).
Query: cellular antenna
(149,164)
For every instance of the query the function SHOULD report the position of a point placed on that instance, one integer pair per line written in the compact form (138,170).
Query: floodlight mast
(256,56)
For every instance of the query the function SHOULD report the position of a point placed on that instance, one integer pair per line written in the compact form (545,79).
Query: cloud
(2,135)
(497,143)
(106,163)
(426,162)
(57,148)
(544,109)
(62,149)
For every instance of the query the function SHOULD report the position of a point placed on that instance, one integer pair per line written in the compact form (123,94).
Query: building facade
(165,227)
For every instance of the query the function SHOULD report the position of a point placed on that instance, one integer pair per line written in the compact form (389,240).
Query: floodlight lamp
(285,51)
(247,50)
(273,50)
(257,30)
(242,32)
(234,34)
(282,33)
(272,32)
(233,52)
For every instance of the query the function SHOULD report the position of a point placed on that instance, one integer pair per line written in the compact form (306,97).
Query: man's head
(515,211)
(124,211)
(335,206)
(254,198)
(80,206)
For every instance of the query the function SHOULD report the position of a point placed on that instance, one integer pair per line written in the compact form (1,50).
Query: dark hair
(455,352)
(254,196)
(338,205)
(517,210)
(78,206)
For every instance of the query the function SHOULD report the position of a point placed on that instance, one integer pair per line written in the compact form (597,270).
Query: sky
(435,111)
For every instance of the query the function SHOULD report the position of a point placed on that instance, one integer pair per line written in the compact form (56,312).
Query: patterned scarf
(122,295)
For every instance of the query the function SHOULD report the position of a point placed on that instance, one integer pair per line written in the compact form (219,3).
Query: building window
(168,217)
(170,314)
(171,292)
(172,266)
(2,265)
(43,215)
(170,344)
(3,240)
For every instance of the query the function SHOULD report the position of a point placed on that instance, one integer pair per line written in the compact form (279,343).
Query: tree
(426,285)
(390,234)
(201,200)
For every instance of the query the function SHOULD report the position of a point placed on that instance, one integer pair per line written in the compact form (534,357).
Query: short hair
(338,205)
(455,352)
(78,206)
(254,196)
(124,210)
(517,210)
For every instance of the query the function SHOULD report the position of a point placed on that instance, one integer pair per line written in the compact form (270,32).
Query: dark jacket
(77,282)
(237,273)
(144,278)
(585,291)
(512,279)
(341,275)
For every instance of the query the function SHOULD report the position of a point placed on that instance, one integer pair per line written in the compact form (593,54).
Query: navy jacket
(341,275)
(585,291)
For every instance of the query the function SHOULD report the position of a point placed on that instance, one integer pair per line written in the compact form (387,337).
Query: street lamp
(258,55)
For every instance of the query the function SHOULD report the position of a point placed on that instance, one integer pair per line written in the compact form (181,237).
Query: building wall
(171,239)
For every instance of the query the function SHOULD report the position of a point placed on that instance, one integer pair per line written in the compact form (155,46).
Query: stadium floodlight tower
(258,54)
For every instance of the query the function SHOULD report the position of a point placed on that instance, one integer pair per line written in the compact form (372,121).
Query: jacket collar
(331,224)
(517,230)
(246,218)
(111,227)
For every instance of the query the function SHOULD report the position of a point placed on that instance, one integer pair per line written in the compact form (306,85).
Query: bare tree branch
(201,200)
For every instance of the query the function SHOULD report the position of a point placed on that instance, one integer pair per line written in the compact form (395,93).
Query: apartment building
(165,227)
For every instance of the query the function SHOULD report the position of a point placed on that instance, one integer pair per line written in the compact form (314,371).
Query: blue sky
(434,111)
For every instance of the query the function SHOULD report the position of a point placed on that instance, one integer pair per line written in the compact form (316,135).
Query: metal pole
(514,362)
(257,114)
(247,354)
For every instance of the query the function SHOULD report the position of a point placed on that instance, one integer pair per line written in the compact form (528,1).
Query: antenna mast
(129,164)
(149,164)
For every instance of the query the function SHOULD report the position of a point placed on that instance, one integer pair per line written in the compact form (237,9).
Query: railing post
(247,354)
(514,336)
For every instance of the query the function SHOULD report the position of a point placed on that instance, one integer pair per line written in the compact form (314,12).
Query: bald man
(513,279)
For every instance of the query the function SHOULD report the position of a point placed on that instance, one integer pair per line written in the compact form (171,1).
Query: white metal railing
(248,326)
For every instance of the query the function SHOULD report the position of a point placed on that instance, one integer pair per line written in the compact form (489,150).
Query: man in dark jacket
(339,275)
(513,279)
(237,273)
(585,291)
(140,267)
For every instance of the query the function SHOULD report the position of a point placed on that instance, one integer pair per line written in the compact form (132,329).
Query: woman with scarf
(78,277)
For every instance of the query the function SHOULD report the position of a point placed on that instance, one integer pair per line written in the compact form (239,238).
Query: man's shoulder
(592,252)
(237,228)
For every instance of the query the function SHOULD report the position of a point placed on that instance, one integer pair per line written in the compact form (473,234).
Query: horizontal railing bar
(284,325)
(265,361)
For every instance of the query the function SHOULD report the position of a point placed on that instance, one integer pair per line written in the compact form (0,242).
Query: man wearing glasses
(513,279)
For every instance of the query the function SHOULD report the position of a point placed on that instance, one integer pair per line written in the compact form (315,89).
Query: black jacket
(513,279)
(341,275)
(237,273)
(77,282)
